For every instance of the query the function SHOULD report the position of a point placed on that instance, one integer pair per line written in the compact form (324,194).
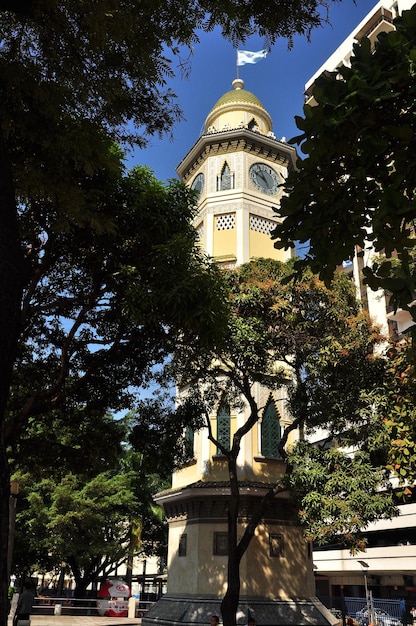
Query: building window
(182,545)
(270,432)
(220,544)
(252,125)
(223,426)
(276,545)
(226,179)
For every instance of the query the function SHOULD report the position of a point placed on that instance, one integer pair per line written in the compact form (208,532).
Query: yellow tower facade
(237,165)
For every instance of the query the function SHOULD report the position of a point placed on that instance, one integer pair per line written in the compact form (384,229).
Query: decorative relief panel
(261,224)
(225,221)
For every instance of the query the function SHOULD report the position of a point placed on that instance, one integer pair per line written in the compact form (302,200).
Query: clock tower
(237,166)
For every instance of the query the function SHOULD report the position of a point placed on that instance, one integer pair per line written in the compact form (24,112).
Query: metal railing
(142,607)
(387,612)
(46,605)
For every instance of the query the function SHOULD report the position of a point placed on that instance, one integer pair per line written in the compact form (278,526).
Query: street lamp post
(368,594)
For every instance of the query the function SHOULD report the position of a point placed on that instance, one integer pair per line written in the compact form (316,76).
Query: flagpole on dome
(236,61)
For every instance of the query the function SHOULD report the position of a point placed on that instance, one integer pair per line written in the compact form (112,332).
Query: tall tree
(395,402)
(357,184)
(96,317)
(314,341)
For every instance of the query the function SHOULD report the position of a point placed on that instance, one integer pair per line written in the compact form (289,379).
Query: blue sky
(278,81)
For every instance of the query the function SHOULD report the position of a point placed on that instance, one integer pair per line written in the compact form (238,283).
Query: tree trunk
(81,585)
(11,285)
(130,557)
(229,604)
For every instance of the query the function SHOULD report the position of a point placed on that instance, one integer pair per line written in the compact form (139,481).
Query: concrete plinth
(172,610)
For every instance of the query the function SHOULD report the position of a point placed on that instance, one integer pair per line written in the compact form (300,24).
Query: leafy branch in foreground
(357,185)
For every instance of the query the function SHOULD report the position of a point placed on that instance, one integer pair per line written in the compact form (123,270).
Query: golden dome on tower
(238,108)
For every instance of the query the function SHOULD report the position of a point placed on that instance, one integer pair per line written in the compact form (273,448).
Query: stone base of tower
(175,609)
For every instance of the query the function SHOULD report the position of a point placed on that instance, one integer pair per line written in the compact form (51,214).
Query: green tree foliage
(83,441)
(93,507)
(382,435)
(76,77)
(98,316)
(315,341)
(397,408)
(92,524)
(357,184)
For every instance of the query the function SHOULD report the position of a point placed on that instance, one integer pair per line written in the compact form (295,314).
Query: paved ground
(71,620)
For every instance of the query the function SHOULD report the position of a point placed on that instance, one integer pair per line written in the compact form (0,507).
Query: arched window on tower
(223,425)
(270,432)
(252,125)
(225,180)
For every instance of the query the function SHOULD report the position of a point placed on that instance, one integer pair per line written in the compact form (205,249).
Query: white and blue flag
(245,56)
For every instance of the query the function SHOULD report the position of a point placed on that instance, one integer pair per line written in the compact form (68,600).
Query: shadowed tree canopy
(93,507)
(158,433)
(357,185)
(97,316)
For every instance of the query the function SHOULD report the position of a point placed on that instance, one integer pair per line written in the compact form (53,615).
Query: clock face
(264,178)
(198,183)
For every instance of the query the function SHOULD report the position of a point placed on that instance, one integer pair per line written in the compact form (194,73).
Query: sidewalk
(73,620)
